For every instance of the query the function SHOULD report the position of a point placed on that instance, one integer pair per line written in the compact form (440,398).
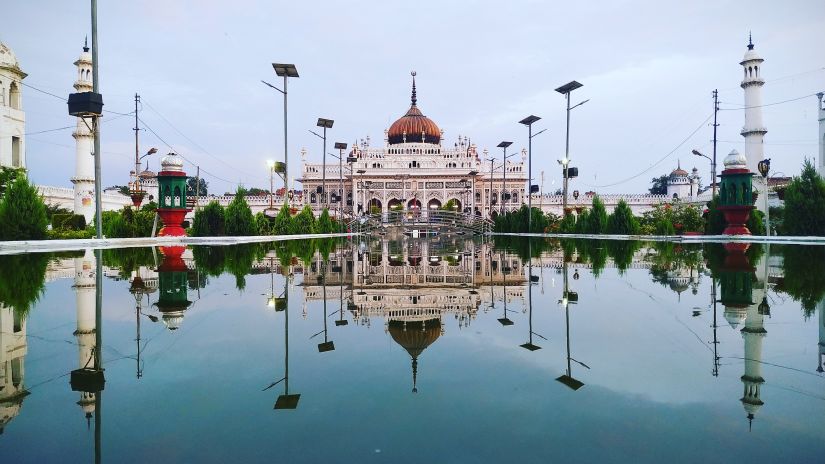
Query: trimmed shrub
(325,224)
(805,203)
(282,225)
(597,221)
(621,221)
(239,219)
(209,221)
(22,212)
(303,222)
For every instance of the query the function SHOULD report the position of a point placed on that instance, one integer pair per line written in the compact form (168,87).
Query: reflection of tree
(804,275)
(22,278)
(621,252)
(127,260)
(525,248)
(670,257)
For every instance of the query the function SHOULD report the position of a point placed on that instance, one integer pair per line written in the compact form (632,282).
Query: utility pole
(137,154)
(715,125)
(198,188)
(96,126)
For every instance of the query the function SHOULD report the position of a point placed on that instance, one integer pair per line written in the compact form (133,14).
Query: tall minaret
(84,172)
(84,287)
(821,113)
(753,333)
(754,130)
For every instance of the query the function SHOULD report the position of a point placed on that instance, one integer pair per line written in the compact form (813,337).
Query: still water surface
(447,350)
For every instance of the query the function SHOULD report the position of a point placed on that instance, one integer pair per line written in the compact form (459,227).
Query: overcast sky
(648,68)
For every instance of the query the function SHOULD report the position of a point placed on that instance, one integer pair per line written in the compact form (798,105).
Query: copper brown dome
(414,127)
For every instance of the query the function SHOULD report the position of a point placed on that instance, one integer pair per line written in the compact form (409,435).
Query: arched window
(178,200)
(167,194)
(732,195)
(14,96)
(2,94)
(756,71)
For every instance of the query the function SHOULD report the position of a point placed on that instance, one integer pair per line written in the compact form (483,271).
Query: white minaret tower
(821,163)
(84,171)
(84,287)
(754,130)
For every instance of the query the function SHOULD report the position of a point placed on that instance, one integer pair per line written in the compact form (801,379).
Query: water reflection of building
(414,285)
(12,354)
(84,287)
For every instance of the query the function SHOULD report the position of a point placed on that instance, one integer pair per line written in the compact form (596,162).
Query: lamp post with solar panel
(565,90)
(285,70)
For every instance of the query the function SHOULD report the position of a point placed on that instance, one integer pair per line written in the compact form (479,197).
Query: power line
(204,150)
(766,104)
(670,153)
(181,155)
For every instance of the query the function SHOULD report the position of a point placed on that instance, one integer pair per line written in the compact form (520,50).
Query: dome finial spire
(86,44)
(750,41)
(414,99)
(415,373)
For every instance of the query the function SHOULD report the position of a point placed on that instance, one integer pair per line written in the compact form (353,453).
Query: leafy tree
(239,219)
(582,222)
(209,221)
(659,185)
(621,221)
(263,224)
(303,222)
(256,192)
(597,222)
(325,224)
(714,219)
(665,227)
(22,212)
(283,222)
(7,177)
(805,203)
(192,184)
(127,223)
(568,224)
(687,218)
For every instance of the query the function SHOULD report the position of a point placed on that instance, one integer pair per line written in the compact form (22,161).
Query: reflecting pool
(415,350)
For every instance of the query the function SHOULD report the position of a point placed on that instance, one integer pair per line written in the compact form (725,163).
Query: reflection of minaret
(12,353)
(753,333)
(84,285)
(821,363)
(415,337)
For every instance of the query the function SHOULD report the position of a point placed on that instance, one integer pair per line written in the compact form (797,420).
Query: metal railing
(437,221)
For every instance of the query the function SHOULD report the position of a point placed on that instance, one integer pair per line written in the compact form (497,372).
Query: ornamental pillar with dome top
(736,193)
(172,206)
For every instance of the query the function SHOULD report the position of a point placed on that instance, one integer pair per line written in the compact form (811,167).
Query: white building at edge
(12,116)
(821,114)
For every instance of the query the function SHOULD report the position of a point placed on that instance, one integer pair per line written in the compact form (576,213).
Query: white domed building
(415,170)
(12,117)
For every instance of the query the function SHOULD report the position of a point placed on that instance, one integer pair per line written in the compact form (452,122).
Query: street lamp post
(340,146)
(565,90)
(286,71)
(712,169)
(271,165)
(504,146)
(528,121)
(325,124)
(764,167)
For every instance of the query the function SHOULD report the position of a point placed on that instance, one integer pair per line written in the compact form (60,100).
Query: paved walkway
(26,246)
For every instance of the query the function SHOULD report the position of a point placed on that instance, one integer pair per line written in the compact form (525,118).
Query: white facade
(413,170)
(13,349)
(754,130)
(682,185)
(84,174)
(12,116)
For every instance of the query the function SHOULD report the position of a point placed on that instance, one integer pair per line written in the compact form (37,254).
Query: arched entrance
(374,206)
(433,204)
(395,205)
(414,205)
(455,204)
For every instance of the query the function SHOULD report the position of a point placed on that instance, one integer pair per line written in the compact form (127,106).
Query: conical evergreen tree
(22,212)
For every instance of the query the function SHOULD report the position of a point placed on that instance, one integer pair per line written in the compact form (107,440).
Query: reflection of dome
(415,337)
(173,320)
(734,316)
(414,127)
(735,160)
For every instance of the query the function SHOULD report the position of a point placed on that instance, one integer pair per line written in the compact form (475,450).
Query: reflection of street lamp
(712,169)
(284,70)
(271,165)
(565,90)
(529,345)
(505,321)
(764,167)
(567,299)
